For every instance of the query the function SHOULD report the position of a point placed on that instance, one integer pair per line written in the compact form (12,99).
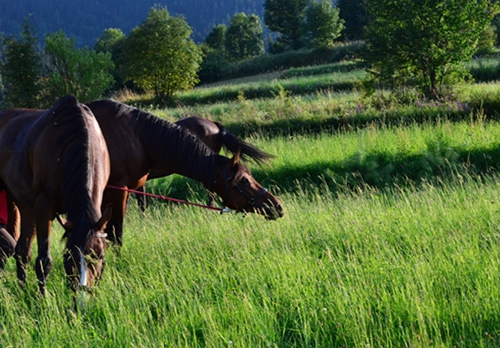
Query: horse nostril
(279,210)
(273,211)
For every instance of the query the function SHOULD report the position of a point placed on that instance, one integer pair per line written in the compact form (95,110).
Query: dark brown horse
(139,143)
(216,137)
(56,162)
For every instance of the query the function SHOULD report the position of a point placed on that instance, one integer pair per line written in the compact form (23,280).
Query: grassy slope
(390,239)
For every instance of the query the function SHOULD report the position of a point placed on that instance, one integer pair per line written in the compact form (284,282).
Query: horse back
(205,130)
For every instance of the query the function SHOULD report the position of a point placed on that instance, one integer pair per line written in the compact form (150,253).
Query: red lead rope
(222,210)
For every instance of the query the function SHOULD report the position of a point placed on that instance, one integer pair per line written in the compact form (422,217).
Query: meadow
(390,236)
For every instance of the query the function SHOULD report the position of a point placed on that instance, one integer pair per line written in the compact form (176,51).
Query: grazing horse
(139,143)
(216,137)
(56,162)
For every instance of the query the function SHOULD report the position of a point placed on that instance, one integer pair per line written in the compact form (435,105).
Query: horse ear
(106,216)
(236,157)
(67,225)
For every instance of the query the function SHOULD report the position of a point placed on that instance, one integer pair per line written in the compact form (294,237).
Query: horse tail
(248,151)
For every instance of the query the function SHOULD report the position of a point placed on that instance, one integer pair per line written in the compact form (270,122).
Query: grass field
(390,238)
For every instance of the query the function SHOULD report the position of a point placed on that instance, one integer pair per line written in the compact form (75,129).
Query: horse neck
(175,151)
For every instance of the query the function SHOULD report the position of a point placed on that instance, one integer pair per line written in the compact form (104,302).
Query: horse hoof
(7,246)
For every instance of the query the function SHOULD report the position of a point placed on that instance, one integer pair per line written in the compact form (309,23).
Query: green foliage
(487,41)
(424,43)
(244,37)
(109,40)
(21,68)
(286,18)
(484,69)
(81,72)
(322,23)
(213,66)
(159,56)
(242,40)
(278,62)
(216,39)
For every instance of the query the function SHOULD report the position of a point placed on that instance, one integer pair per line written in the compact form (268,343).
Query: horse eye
(245,181)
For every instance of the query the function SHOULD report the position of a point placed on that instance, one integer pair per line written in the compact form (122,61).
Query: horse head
(241,192)
(84,264)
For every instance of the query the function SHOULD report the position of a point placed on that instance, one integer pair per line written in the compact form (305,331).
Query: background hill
(86,19)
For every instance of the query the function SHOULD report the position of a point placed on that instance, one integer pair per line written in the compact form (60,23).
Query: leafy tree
(487,40)
(81,72)
(216,39)
(286,17)
(244,37)
(160,56)
(22,68)
(111,41)
(354,15)
(108,40)
(213,66)
(214,55)
(323,24)
(424,42)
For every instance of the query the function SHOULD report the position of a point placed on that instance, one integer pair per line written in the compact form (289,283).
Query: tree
(424,42)
(22,68)
(81,72)
(354,15)
(323,24)
(159,55)
(214,55)
(487,40)
(216,39)
(286,17)
(111,41)
(244,37)
(108,40)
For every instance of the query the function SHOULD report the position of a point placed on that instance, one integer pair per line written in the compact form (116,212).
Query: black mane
(67,116)
(185,153)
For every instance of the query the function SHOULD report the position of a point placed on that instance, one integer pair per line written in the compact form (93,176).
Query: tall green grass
(390,239)
(406,267)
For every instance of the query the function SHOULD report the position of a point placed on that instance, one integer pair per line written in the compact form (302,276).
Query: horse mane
(248,151)
(184,152)
(73,142)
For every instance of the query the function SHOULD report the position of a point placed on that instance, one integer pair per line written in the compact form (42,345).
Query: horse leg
(114,227)
(7,247)
(9,231)
(141,199)
(23,246)
(43,263)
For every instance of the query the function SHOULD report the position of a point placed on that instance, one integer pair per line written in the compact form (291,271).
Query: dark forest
(85,20)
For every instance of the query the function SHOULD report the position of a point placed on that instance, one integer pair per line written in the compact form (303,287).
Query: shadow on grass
(304,126)
(384,171)
(439,165)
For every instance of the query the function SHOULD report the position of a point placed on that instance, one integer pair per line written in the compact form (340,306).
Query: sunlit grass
(406,267)
(390,238)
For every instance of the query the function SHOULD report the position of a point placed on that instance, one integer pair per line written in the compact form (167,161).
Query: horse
(216,137)
(56,162)
(140,143)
